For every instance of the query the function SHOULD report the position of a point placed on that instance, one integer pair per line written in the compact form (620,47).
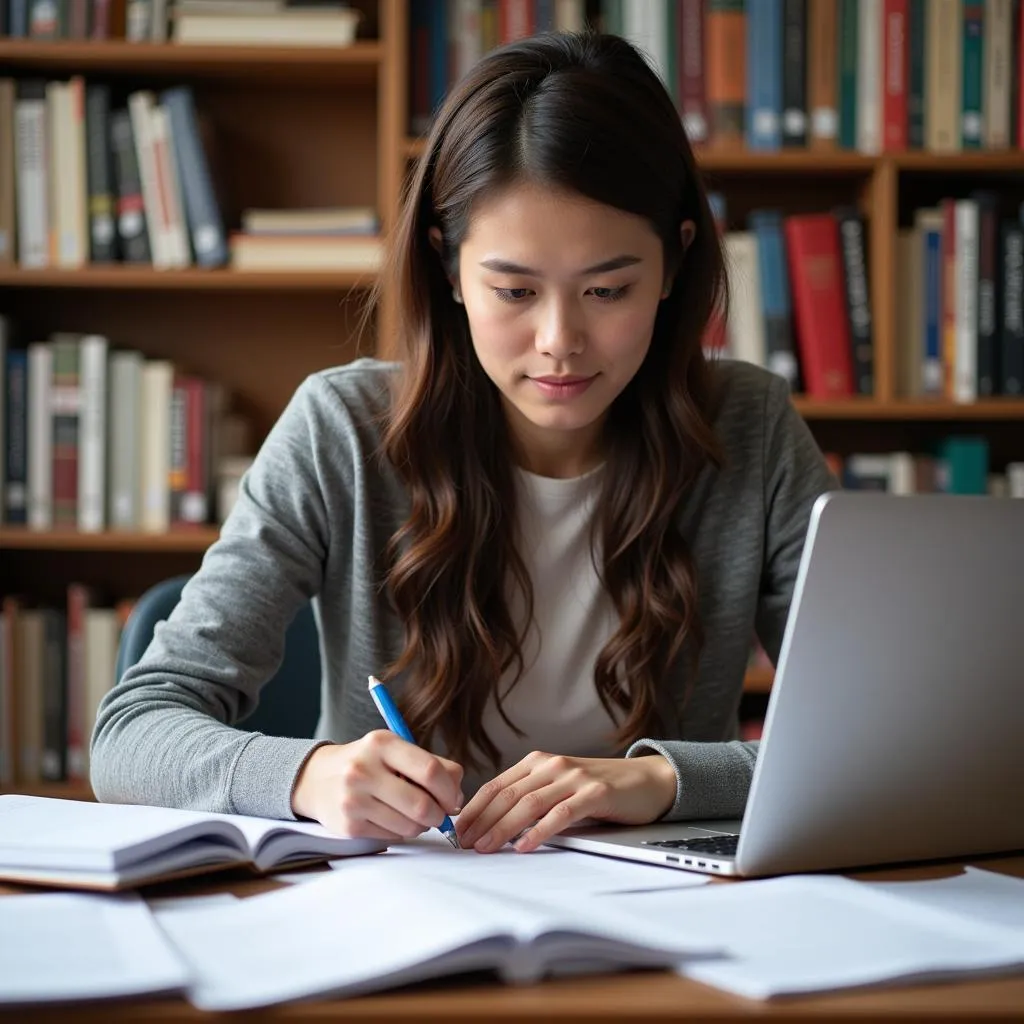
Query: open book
(375,924)
(80,844)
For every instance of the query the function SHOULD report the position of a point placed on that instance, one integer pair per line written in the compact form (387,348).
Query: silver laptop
(895,728)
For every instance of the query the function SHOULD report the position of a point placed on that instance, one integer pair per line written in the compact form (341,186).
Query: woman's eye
(610,294)
(511,294)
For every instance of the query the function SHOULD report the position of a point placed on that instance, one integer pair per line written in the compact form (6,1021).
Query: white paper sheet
(985,896)
(563,873)
(56,947)
(373,927)
(804,934)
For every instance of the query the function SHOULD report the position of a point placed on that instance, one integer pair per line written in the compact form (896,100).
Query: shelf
(145,278)
(910,409)
(837,161)
(185,540)
(758,680)
(354,64)
(66,790)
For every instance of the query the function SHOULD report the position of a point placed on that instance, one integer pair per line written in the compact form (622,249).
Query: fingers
(491,801)
(440,778)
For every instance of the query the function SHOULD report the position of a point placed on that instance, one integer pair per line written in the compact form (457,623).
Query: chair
(289,702)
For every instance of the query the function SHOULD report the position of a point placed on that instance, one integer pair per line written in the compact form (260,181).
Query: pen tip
(373,681)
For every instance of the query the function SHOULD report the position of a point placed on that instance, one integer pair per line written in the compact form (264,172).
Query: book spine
(944,73)
(124,481)
(53,763)
(102,224)
(78,599)
(8,165)
(132,225)
(32,189)
(66,409)
(203,213)
(764,75)
(1013,308)
(997,53)
(987,381)
(858,303)
(727,70)
(794,73)
(915,74)
(971,85)
(965,371)
(933,370)
(869,76)
(15,460)
(894,103)
(779,348)
(40,437)
(848,56)
(690,40)
(822,76)
(93,435)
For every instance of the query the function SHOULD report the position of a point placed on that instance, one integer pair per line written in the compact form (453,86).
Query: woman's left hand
(546,793)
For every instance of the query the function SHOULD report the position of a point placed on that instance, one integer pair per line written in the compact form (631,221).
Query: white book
(570,15)
(178,252)
(745,326)
(40,436)
(102,631)
(965,368)
(870,33)
(140,104)
(401,928)
(997,50)
(30,695)
(69,947)
(31,145)
(92,437)
(155,446)
(124,461)
(293,27)
(82,844)
(645,25)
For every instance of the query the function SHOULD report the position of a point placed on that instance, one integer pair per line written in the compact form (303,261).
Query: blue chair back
(289,702)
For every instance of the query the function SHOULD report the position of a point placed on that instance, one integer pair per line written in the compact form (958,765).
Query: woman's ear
(687,231)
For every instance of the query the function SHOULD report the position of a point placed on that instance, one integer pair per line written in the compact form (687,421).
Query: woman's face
(561,295)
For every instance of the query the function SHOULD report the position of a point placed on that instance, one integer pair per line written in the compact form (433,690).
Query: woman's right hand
(378,787)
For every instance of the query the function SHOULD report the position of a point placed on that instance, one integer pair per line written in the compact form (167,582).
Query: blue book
(764,75)
(775,301)
(205,225)
(932,375)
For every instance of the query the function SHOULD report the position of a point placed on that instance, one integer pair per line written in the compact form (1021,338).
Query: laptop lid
(896,729)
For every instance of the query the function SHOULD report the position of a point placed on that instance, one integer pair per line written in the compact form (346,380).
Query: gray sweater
(312,519)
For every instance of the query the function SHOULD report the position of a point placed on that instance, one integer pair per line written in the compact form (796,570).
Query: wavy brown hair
(580,113)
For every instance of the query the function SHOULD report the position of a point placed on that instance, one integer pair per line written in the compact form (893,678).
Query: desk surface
(646,996)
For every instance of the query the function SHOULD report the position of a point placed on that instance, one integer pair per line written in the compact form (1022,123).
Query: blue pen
(393,717)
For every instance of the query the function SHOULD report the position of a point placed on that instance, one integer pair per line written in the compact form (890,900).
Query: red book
(690,69)
(79,599)
(895,61)
(515,20)
(819,304)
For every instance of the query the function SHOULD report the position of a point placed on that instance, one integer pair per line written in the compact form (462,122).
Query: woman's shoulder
(743,397)
(363,385)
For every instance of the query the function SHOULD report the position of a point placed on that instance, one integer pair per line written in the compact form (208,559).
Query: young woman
(554,528)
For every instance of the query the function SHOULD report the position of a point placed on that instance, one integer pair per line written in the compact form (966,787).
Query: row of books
(960,300)
(97,438)
(957,464)
(799,300)
(221,22)
(55,666)
(95,182)
(872,76)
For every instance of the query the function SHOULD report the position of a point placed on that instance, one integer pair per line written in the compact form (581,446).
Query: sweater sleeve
(164,733)
(713,779)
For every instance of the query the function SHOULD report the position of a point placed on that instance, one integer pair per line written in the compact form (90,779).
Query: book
(380,923)
(107,847)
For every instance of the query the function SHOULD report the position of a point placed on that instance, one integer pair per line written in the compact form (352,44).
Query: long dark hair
(582,113)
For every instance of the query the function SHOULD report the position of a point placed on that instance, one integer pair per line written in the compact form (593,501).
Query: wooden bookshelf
(325,127)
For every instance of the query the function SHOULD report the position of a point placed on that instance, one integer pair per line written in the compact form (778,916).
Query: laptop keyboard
(720,846)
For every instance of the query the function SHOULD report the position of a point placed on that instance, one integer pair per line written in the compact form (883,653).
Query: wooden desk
(641,996)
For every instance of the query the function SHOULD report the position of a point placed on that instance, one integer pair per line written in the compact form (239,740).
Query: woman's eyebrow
(500,266)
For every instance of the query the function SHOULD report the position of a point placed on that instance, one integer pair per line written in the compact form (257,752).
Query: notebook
(80,844)
(371,925)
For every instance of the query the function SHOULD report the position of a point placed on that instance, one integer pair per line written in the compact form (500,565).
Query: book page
(373,926)
(564,873)
(71,946)
(800,934)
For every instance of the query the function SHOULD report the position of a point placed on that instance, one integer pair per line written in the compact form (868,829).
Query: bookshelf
(261,333)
